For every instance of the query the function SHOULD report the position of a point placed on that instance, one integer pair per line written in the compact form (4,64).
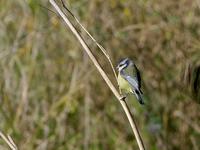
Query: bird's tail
(138,95)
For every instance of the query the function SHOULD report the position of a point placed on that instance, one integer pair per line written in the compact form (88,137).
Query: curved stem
(103,74)
(93,39)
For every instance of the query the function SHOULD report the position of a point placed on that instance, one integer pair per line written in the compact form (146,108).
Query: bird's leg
(123,97)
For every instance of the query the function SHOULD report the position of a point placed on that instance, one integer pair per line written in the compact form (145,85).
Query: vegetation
(52,97)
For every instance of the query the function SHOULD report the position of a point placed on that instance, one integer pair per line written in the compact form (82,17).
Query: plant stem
(103,74)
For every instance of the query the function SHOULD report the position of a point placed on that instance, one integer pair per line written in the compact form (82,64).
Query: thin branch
(9,141)
(93,39)
(103,74)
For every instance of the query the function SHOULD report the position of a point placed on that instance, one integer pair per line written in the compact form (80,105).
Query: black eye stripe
(124,63)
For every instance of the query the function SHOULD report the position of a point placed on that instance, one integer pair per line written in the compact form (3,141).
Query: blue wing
(135,88)
(132,82)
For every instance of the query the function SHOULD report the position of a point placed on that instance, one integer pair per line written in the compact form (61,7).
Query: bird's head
(123,64)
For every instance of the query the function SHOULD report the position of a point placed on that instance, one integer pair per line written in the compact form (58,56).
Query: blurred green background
(52,97)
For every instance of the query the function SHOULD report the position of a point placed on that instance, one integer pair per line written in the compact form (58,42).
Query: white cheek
(122,67)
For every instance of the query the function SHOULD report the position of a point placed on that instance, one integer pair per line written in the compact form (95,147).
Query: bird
(129,79)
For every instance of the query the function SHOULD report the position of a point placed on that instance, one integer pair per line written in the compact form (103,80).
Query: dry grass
(51,97)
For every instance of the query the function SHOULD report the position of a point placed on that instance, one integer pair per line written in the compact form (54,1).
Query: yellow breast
(123,84)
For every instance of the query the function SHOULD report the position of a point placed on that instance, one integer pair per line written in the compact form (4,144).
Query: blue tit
(129,79)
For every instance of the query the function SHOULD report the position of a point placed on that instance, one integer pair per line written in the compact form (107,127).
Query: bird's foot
(122,97)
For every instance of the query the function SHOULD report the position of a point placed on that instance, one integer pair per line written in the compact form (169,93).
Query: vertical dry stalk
(87,117)
(103,74)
